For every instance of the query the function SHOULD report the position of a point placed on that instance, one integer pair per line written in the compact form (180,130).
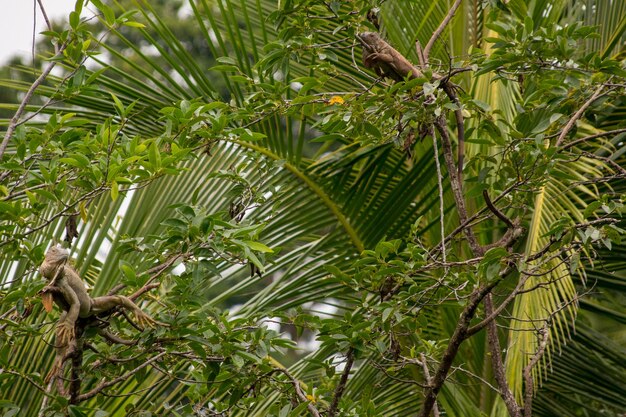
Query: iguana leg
(106,303)
(62,344)
(374,57)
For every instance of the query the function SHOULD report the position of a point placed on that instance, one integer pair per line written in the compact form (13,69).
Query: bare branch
(299,393)
(114,338)
(440,29)
(106,384)
(491,315)
(606,160)
(386,370)
(76,369)
(441,202)
(455,184)
(459,335)
(578,114)
(144,289)
(464,224)
(496,361)
(428,381)
(495,210)
(543,335)
(45,16)
(341,386)
(420,54)
(29,95)
(597,135)
(26,377)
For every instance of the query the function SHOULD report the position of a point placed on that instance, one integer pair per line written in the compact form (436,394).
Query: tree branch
(440,29)
(597,135)
(496,360)
(448,88)
(543,334)
(114,338)
(45,15)
(459,335)
(299,393)
(26,377)
(491,316)
(578,114)
(76,367)
(463,225)
(441,202)
(496,211)
(29,95)
(106,384)
(428,381)
(455,184)
(341,386)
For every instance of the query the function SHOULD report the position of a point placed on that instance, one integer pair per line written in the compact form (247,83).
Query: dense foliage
(313,238)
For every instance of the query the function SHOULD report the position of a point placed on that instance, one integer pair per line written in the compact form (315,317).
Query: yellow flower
(335,100)
(309,396)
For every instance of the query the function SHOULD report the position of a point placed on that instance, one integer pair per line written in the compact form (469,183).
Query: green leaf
(115,191)
(128,271)
(224,68)
(386,313)
(154,156)
(134,24)
(257,246)
(12,296)
(118,105)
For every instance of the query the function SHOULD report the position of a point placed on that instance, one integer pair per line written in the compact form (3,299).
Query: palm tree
(325,192)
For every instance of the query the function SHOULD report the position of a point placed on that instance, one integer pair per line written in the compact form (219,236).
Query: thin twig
(26,377)
(420,54)
(45,16)
(617,167)
(58,51)
(32,45)
(463,225)
(491,315)
(597,135)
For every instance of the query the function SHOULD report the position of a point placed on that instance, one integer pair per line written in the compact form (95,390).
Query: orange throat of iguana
(46,300)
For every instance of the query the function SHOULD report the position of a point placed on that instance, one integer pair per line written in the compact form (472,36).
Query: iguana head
(57,254)
(368,39)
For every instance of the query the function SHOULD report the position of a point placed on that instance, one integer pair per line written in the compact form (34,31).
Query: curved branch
(341,386)
(299,393)
(544,335)
(440,29)
(106,384)
(460,334)
(497,364)
(570,124)
(29,95)
(455,183)
(495,210)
